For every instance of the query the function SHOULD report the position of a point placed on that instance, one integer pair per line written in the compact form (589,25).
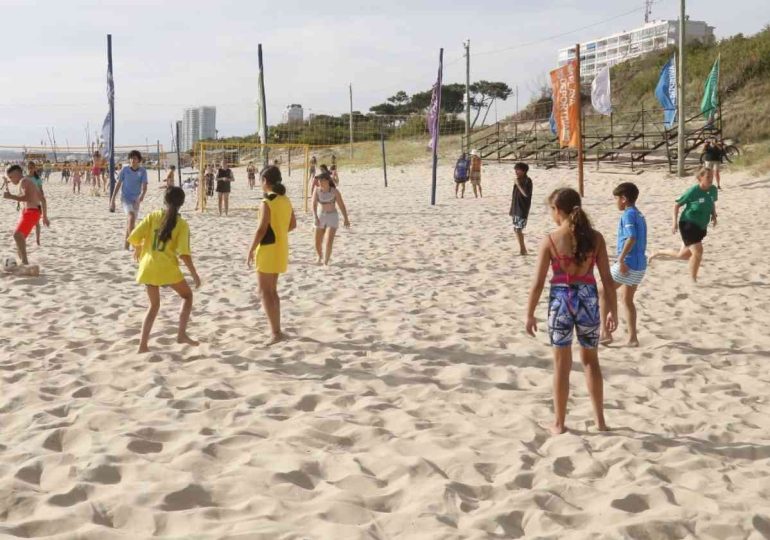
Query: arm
(675,226)
(520,187)
(18,198)
(630,242)
(543,258)
(714,215)
(115,193)
(608,285)
(264,223)
(343,209)
(188,262)
(292,221)
(44,204)
(144,188)
(315,206)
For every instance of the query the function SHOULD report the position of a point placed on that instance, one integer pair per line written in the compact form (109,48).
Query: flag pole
(263,105)
(112,114)
(178,156)
(437,125)
(580,123)
(680,94)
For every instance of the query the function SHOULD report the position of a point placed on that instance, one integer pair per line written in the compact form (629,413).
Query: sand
(409,403)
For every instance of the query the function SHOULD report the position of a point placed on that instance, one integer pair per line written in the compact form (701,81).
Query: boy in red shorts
(30,212)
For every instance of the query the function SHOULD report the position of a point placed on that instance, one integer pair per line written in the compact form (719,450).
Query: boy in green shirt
(700,207)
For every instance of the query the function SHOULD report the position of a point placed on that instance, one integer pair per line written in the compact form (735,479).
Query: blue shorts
(574,306)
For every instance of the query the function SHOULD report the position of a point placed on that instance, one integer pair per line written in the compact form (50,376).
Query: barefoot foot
(277,338)
(605,340)
(143,349)
(632,343)
(558,430)
(187,340)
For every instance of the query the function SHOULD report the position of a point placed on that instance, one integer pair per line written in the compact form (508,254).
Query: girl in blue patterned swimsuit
(572,251)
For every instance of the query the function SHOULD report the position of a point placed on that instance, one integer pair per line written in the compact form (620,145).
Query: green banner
(710,102)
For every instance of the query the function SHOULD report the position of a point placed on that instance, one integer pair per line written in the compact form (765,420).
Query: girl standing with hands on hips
(269,251)
(572,251)
(158,240)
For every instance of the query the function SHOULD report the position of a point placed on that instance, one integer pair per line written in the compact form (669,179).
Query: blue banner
(665,91)
(552,123)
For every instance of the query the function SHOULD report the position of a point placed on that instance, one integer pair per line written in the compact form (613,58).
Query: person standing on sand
(251,173)
(462,171)
(328,220)
(476,173)
(712,159)
(224,179)
(132,186)
(170,177)
(34,175)
(521,201)
(30,213)
(158,240)
(209,179)
(572,251)
(700,207)
(269,250)
(628,272)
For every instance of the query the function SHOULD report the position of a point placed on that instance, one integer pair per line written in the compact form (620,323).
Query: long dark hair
(174,200)
(326,176)
(272,175)
(567,200)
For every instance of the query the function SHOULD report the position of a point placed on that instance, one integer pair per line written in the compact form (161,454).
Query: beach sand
(408,403)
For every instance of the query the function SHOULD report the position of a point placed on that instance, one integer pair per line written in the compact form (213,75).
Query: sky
(173,54)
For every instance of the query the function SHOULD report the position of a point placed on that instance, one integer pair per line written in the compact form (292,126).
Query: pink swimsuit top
(562,277)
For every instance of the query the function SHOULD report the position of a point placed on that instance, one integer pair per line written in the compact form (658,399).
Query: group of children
(468,168)
(576,304)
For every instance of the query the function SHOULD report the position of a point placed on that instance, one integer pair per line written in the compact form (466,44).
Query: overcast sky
(172,54)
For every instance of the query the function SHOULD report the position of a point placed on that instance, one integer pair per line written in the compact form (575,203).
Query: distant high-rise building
(293,114)
(616,48)
(198,123)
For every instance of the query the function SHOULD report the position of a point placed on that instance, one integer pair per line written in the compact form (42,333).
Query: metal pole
(178,156)
(580,124)
(264,103)
(112,116)
(517,101)
(467,45)
(680,94)
(384,163)
(351,120)
(290,161)
(438,126)
(158,148)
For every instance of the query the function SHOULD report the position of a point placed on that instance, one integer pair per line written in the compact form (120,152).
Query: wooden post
(580,125)
(158,148)
(290,161)
(351,121)
(384,163)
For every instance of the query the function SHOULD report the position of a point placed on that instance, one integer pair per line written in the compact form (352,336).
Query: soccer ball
(9,264)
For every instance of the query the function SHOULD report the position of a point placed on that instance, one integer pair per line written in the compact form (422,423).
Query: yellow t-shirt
(158,264)
(272,254)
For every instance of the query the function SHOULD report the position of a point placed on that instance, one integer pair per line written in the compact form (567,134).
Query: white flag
(601,98)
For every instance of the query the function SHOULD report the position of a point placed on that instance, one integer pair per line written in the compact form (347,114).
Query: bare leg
(271,303)
(457,187)
(21,247)
(475,193)
(219,202)
(329,243)
(184,291)
(227,202)
(153,293)
(562,357)
(319,238)
(606,337)
(130,223)
(520,238)
(462,191)
(37,234)
(628,300)
(671,254)
(590,358)
(481,193)
(695,260)
(719,179)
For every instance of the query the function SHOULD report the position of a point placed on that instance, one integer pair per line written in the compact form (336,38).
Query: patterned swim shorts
(570,307)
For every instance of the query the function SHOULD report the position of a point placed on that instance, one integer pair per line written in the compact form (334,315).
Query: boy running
(628,271)
(521,201)
(31,211)
(132,185)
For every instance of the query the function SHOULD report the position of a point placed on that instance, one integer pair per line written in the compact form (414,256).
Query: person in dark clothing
(521,201)
(712,159)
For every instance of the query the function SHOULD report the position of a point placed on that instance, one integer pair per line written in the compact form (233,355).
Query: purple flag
(433,112)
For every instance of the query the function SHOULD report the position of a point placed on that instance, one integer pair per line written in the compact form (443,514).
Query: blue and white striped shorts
(633,278)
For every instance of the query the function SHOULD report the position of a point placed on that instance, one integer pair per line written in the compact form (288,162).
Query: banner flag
(665,91)
(601,97)
(565,84)
(710,102)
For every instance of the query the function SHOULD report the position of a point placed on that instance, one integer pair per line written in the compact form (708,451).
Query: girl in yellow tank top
(270,249)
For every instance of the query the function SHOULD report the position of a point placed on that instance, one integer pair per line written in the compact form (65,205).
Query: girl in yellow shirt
(270,248)
(157,241)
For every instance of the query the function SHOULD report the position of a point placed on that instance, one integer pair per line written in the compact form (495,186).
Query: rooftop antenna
(647,10)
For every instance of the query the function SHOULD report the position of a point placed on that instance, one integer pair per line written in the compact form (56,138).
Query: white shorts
(632,279)
(328,220)
(712,165)
(131,207)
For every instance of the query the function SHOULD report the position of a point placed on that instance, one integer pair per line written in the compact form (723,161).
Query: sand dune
(409,403)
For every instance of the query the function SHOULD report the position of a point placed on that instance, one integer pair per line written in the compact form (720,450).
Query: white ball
(9,263)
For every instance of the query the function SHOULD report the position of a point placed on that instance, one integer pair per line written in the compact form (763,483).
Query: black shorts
(223,186)
(691,233)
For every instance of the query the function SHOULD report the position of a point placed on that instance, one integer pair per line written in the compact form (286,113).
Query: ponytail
(272,175)
(567,201)
(174,200)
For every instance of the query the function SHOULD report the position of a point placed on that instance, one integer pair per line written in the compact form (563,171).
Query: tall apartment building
(293,114)
(616,48)
(198,123)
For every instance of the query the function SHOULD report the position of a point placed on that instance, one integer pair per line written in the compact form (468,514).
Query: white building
(293,114)
(198,123)
(653,36)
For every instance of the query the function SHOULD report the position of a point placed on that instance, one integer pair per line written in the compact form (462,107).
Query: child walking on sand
(269,251)
(158,240)
(31,212)
(77,178)
(628,271)
(521,201)
(700,207)
(132,186)
(476,173)
(327,220)
(34,175)
(572,251)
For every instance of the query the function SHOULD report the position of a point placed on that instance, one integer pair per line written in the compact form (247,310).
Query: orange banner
(566,103)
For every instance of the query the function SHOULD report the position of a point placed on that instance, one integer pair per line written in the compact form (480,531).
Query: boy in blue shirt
(628,271)
(132,186)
